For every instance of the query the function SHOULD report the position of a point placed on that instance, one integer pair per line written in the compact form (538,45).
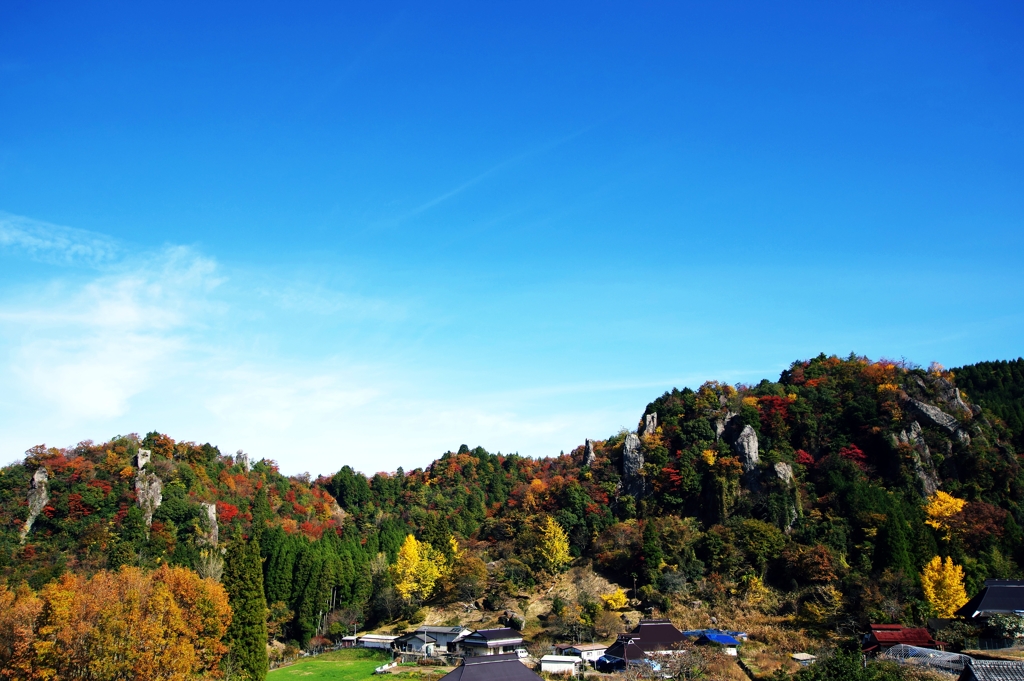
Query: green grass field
(341,665)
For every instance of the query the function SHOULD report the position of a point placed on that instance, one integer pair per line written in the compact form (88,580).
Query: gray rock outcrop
(938,418)
(38,495)
(632,466)
(242,459)
(784,472)
(743,441)
(722,424)
(745,447)
(148,488)
(212,534)
(650,424)
(924,468)
(949,395)
(588,453)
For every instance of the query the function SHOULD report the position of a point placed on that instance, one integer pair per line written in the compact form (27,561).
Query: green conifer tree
(247,635)
(892,549)
(261,513)
(652,554)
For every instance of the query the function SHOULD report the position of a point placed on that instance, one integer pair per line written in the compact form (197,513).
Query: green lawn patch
(341,665)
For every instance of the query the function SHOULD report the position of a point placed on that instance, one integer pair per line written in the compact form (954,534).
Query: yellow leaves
(417,569)
(791,397)
(750,401)
(756,593)
(161,625)
(826,604)
(616,600)
(943,586)
(554,546)
(127,473)
(18,612)
(709,456)
(940,508)
(112,462)
(454,546)
(888,389)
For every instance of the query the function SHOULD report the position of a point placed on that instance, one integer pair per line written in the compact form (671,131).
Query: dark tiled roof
(657,635)
(503,634)
(993,670)
(491,668)
(416,636)
(998,596)
(626,649)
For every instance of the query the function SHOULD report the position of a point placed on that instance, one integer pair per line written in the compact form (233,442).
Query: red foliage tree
(226,512)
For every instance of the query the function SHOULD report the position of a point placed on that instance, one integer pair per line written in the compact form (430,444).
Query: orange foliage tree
(131,624)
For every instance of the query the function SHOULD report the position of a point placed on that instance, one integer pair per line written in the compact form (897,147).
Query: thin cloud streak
(54,244)
(542,149)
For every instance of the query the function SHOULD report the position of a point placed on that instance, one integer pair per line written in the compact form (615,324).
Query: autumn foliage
(130,624)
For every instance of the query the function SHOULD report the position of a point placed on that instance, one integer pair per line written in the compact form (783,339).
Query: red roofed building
(885,636)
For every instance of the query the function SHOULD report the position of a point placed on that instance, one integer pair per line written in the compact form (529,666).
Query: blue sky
(367,233)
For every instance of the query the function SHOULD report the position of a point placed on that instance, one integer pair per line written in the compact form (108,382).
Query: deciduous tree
(943,586)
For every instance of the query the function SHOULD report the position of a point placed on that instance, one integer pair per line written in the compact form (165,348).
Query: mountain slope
(807,495)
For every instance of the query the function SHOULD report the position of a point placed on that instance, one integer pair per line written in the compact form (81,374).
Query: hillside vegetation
(816,500)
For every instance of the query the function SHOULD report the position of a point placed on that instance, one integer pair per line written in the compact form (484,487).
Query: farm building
(561,664)
(379,641)
(881,637)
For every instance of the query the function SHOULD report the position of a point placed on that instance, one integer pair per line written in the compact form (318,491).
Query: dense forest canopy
(826,492)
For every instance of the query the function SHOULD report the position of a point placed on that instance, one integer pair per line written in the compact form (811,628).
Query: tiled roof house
(506,667)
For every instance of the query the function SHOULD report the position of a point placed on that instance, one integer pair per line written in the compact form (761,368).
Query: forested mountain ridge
(814,495)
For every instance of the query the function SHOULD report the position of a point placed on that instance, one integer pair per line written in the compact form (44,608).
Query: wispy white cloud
(87,349)
(164,340)
(54,244)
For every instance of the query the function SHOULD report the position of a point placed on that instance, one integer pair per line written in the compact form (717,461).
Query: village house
(497,667)
(416,642)
(588,652)
(993,670)
(490,642)
(881,637)
(649,637)
(999,597)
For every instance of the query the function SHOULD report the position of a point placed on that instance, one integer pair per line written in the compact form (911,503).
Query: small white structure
(379,641)
(561,664)
(805,659)
(588,652)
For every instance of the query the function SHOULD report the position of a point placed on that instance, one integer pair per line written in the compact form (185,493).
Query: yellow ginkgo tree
(554,546)
(941,507)
(943,586)
(417,569)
